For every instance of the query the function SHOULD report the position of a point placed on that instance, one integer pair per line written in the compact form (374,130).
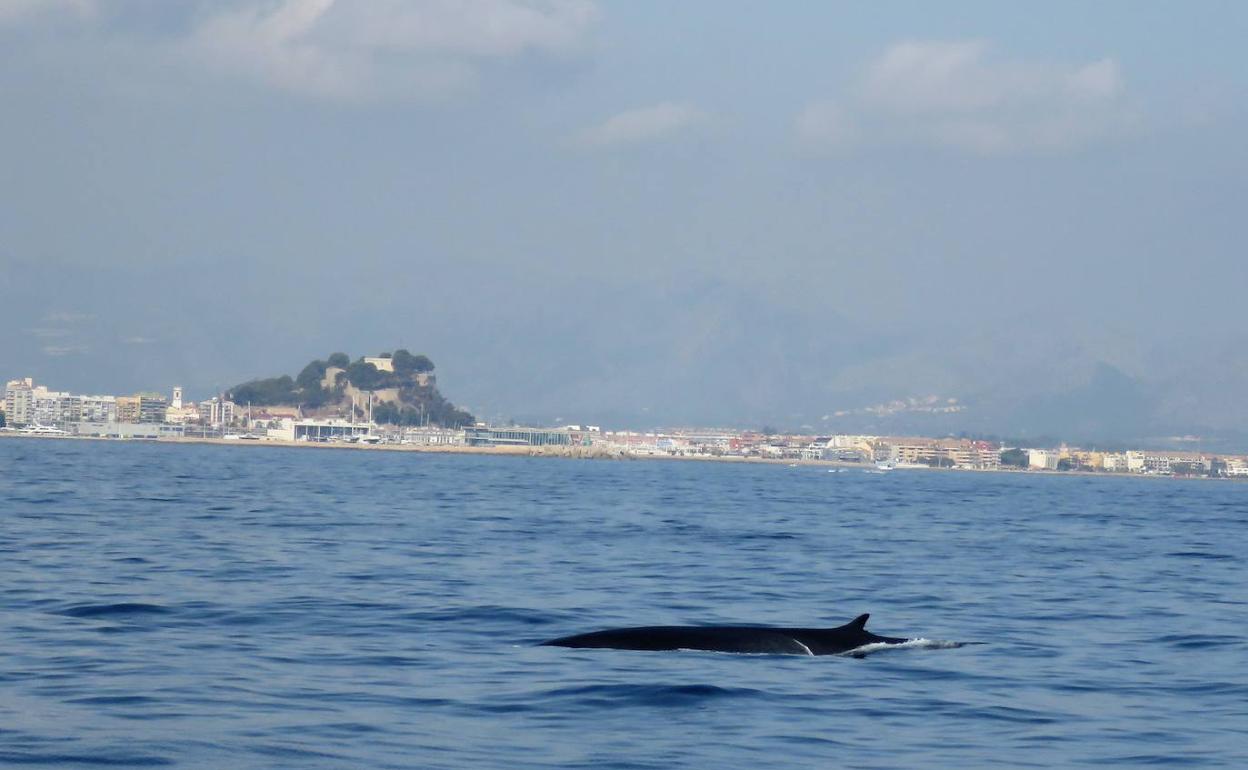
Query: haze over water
(207,607)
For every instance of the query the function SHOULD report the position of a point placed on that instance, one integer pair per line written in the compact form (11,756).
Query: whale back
(834,641)
(743,639)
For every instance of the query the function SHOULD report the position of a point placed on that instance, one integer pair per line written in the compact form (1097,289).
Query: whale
(760,640)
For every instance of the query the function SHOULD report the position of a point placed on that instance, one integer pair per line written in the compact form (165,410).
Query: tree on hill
(405,363)
(419,401)
(311,376)
(364,375)
(270,392)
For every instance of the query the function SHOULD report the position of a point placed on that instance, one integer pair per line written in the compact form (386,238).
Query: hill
(402,386)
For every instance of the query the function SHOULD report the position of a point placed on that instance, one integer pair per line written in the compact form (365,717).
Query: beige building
(181,414)
(19,401)
(959,453)
(128,409)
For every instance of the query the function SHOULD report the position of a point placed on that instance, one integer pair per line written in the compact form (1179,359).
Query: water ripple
(206,607)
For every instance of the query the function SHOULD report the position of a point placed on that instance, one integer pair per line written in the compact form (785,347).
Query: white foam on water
(909,644)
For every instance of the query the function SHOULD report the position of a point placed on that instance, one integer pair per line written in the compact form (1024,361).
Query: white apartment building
(1169,462)
(217,411)
(1044,459)
(19,401)
(1114,462)
(98,408)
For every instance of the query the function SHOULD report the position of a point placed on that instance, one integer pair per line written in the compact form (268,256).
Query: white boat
(43,430)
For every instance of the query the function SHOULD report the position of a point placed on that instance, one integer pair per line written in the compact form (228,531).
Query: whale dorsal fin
(860,622)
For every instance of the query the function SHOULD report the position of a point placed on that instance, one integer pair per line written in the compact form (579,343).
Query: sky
(896,216)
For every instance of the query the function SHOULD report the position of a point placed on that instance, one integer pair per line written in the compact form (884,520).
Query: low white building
(1237,466)
(127,430)
(320,430)
(431,436)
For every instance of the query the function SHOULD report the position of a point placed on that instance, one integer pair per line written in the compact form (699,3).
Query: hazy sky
(639,212)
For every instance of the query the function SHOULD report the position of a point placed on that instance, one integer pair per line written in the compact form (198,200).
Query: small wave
(1200,555)
(607,695)
(98,760)
(909,644)
(486,613)
(112,700)
(1200,641)
(114,610)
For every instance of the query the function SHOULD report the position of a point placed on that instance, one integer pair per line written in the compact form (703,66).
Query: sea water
(255,607)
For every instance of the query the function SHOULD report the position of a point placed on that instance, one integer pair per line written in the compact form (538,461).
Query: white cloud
(823,125)
(383,48)
(58,351)
(49,333)
(644,124)
(68,317)
(474,27)
(14,10)
(955,94)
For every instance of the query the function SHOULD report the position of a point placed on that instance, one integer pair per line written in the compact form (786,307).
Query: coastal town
(34,410)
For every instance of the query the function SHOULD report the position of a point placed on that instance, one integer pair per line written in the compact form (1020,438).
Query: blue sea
(199,606)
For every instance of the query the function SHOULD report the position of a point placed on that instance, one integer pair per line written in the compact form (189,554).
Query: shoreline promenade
(589,453)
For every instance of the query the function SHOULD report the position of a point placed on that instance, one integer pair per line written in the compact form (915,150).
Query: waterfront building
(909,450)
(949,453)
(1114,462)
(127,409)
(431,436)
(979,455)
(1085,460)
(180,415)
(19,402)
(127,430)
(484,436)
(1043,459)
(152,407)
(98,409)
(217,411)
(68,409)
(49,406)
(176,401)
(1183,463)
(320,430)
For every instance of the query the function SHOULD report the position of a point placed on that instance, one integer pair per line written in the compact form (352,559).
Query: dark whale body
(747,639)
